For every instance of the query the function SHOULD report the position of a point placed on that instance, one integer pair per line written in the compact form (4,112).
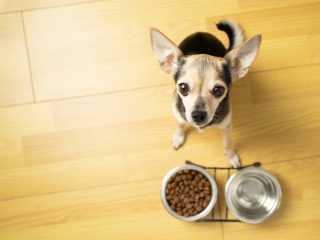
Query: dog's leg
(231,155)
(178,136)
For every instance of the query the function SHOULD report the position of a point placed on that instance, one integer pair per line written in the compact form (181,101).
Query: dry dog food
(188,192)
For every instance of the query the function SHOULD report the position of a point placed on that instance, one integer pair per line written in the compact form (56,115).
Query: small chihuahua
(204,70)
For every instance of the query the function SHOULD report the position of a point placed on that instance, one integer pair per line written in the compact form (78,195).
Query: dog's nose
(199,116)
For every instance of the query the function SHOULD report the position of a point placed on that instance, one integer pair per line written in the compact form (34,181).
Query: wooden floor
(86,122)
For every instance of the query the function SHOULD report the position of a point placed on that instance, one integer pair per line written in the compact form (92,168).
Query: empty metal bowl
(253,195)
(214,192)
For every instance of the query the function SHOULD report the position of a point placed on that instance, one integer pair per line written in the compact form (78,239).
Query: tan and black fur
(204,70)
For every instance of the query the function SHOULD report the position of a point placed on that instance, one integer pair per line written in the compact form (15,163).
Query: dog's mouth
(204,125)
(215,119)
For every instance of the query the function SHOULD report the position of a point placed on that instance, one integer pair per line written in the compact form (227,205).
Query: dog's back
(206,43)
(202,43)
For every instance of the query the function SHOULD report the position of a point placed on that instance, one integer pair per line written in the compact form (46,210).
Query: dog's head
(203,81)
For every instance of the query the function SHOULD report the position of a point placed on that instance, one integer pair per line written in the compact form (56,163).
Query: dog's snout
(199,116)
(199,105)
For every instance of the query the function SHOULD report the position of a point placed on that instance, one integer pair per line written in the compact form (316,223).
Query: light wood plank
(15,83)
(285,85)
(116,212)
(101,171)
(119,107)
(246,5)
(276,97)
(19,121)
(94,142)
(30,5)
(285,38)
(19,5)
(142,136)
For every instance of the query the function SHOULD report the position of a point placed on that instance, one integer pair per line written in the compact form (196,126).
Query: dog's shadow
(263,122)
(264,130)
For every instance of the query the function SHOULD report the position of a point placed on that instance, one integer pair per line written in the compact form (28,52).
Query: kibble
(188,192)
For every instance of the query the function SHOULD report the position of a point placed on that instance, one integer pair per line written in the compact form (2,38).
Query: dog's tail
(234,32)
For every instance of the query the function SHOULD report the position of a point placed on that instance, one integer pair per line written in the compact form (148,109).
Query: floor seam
(78,189)
(28,56)
(291,160)
(87,95)
(283,68)
(49,7)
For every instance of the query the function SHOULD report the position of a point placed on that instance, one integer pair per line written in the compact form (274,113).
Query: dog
(204,71)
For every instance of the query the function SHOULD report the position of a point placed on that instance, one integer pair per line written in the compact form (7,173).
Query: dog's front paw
(234,160)
(178,138)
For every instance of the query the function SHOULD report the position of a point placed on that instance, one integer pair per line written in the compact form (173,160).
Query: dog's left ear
(165,51)
(241,58)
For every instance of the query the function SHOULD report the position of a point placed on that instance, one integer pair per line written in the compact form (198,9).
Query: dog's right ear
(165,51)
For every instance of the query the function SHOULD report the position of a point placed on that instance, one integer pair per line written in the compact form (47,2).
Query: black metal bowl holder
(213,171)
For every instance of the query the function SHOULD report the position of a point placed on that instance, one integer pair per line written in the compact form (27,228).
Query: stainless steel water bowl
(214,192)
(253,195)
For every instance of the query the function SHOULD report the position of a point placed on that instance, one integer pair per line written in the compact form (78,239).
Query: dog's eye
(218,91)
(184,89)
